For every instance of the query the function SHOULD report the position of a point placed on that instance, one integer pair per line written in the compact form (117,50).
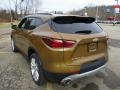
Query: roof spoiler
(73,19)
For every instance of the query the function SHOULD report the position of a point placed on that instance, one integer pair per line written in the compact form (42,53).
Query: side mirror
(14,27)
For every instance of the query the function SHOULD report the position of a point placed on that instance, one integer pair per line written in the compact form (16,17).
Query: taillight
(68,43)
(58,43)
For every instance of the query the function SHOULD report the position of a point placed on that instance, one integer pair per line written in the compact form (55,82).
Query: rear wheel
(14,48)
(36,69)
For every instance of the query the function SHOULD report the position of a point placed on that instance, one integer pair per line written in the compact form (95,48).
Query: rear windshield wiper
(84,31)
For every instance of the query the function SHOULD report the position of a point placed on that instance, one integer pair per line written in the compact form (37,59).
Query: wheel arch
(11,36)
(30,51)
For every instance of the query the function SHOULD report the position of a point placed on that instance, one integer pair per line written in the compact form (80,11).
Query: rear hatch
(90,40)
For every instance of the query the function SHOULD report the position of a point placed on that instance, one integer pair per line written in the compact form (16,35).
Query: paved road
(15,73)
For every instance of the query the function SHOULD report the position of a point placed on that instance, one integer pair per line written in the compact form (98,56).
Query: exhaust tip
(66,82)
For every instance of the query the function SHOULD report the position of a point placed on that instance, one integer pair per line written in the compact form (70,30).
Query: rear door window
(30,23)
(75,25)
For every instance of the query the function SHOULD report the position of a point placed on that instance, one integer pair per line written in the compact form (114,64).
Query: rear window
(75,25)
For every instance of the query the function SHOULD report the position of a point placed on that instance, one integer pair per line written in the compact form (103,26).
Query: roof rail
(43,13)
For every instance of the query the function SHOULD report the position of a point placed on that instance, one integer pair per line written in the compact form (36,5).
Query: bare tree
(16,3)
(31,6)
(20,7)
(24,7)
(5,15)
(35,5)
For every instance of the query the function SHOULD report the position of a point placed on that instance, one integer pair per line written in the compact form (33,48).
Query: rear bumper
(78,76)
(86,70)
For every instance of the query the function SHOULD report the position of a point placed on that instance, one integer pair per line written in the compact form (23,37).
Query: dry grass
(7,24)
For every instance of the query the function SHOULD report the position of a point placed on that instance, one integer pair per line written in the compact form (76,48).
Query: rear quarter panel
(51,58)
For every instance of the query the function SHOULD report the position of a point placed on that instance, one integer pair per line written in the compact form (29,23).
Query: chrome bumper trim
(78,76)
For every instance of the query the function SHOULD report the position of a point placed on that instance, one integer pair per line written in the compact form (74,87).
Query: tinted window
(38,22)
(30,23)
(76,25)
(22,23)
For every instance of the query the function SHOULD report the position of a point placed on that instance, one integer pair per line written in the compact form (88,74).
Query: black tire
(14,48)
(41,79)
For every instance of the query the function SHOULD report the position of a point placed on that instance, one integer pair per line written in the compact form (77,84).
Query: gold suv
(60,47)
